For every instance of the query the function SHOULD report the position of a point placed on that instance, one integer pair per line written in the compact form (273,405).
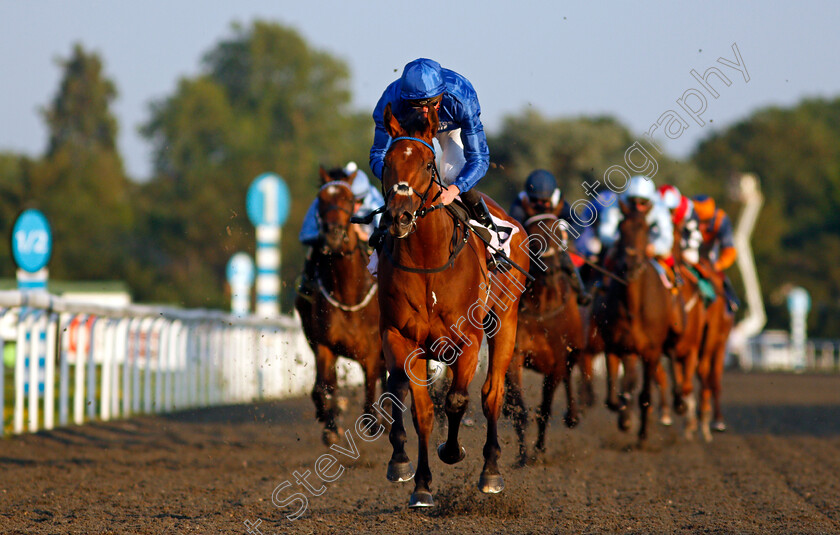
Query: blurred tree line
(264,100)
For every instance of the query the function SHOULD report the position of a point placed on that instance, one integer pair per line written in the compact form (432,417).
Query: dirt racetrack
(777,470)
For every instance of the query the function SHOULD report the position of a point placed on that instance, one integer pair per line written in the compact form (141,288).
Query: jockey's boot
(497,260)
(307,279)
(583,298)
(731,298)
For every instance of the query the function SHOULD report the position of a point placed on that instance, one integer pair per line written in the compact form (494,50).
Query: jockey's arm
(381,139)
(310,230)
(727,254)
(476,152)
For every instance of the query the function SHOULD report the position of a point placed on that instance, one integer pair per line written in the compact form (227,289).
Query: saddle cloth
(499,240)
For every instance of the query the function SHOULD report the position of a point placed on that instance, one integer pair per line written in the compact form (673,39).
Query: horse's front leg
(323,394)
(587,390)
(628,386)
(651,370)
(423,414)
(396,350)
(457,400)
(613,362)
(514,406)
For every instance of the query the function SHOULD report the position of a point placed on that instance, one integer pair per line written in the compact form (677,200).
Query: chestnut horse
(719,322)
(684,349)
(343,315)
(634,319)
(550,334)
(438,301)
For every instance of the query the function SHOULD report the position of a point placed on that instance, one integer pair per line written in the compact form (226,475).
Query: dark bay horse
(438,301)
(550,334)
(342,318)
(634,319)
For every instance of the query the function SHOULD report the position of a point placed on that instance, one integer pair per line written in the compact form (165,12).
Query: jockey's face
(640,204)
(422,105)
(542,205)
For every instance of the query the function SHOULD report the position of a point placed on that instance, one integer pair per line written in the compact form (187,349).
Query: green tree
(80,184)
(575,150)
(264,101)
(796,155)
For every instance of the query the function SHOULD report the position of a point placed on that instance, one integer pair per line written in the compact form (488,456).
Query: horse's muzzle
(404,225)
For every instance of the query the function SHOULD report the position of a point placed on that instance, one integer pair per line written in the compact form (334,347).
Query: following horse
(635,319)
(550,333)
(342,317)
(438,301)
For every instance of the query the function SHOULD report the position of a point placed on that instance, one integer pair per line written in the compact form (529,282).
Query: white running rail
(76,362)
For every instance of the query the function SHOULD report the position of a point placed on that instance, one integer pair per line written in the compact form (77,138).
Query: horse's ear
(392,125)
(351,177)
(325,177)
(434,122)
(625,208)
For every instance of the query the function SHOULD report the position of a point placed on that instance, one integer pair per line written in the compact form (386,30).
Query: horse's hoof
(680,406)
(666,420)
(719,426)
(570,420)
(421,498)
(625,420)
(330,437)
(399,472)
(491,483)
(613,405)
(448,459)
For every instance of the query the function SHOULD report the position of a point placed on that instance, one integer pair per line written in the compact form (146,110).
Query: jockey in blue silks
(367,198)
(543,196)
(589,242)
(464,157)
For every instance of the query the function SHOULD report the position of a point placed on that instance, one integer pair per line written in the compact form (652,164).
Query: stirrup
(583,298)
(498,262)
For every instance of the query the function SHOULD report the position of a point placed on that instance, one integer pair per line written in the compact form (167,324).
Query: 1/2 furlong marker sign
(267,204)
(31,249)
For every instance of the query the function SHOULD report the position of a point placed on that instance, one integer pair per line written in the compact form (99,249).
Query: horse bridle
(333,208)
(433,179)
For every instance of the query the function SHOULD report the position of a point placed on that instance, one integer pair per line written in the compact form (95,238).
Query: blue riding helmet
(421,79)
(541,185)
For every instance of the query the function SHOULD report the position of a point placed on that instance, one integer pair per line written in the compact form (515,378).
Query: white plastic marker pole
(267,204)
(755,318)
(799,303)
(240,275)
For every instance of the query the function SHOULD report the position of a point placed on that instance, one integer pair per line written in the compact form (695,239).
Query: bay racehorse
(342,316)
(438,301)
(550,334)
(634,318)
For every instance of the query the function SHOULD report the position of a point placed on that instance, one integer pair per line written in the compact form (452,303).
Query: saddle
(460,212)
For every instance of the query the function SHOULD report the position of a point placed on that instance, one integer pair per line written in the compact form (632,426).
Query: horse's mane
(415,121)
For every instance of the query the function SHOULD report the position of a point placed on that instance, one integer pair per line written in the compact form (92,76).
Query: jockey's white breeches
(450,158)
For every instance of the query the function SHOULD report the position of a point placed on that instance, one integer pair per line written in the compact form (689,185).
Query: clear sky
(631,60)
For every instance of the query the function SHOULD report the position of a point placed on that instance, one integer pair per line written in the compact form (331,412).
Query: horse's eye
(430,165)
